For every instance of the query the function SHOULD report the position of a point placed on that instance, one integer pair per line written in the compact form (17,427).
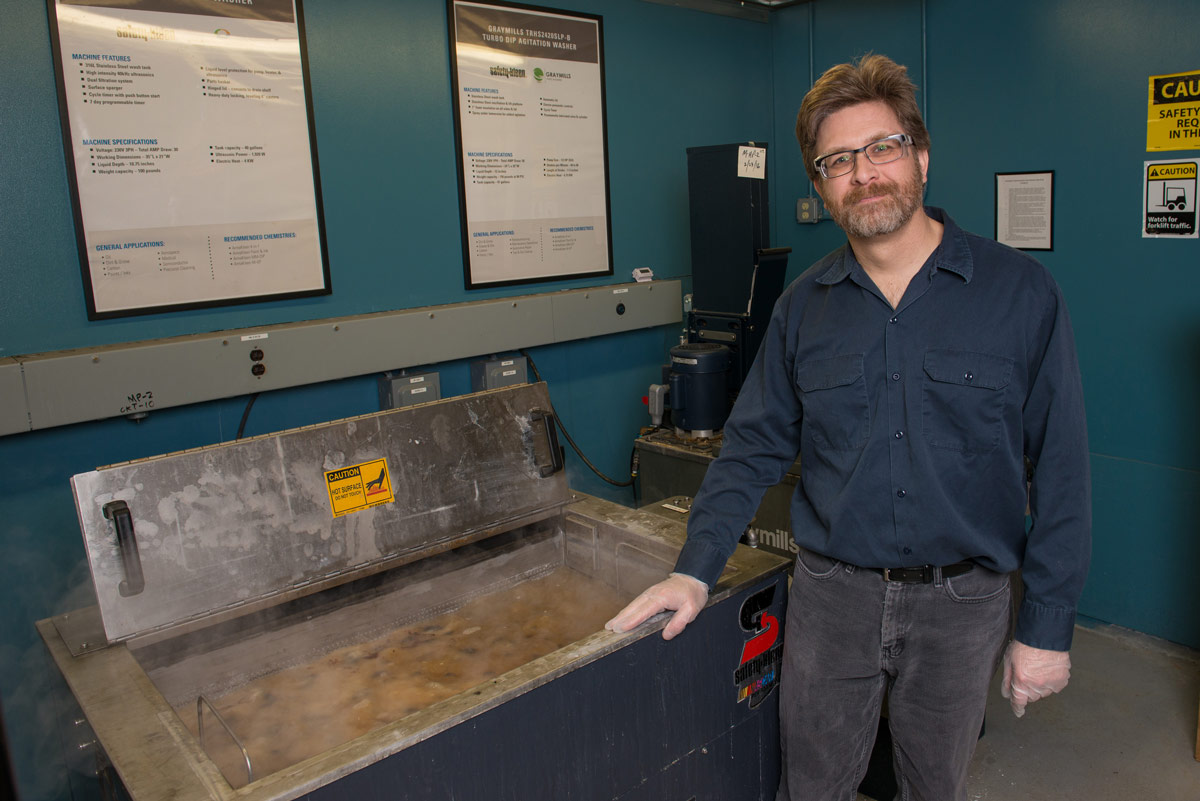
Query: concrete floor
(1123,730)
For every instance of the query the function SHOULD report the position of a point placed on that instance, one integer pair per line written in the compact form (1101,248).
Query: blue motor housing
(698,387)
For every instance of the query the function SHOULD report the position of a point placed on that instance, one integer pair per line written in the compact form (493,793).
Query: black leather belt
(921,574)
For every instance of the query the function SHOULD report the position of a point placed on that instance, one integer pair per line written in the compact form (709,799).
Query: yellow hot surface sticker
(358,487)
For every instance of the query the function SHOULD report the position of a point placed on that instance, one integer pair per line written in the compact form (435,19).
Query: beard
(901,200)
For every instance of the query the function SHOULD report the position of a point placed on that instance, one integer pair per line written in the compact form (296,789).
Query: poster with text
(187,127)
(533,159)
(1025,210)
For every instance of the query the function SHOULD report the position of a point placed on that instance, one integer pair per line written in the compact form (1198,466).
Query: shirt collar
(952,253)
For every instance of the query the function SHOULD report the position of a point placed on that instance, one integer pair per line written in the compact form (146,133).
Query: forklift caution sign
(1169,199)
(1173,120)
(358,487)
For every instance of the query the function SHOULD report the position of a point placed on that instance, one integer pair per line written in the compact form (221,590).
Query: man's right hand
(1032,673)
(683,594)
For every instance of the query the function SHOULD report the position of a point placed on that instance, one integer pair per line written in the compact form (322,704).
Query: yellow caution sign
(1173,122)
(358,487)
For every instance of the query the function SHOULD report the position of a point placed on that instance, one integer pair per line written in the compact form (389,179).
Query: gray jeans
(849,637)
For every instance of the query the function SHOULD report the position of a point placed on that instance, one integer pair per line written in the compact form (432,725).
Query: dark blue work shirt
(912,426)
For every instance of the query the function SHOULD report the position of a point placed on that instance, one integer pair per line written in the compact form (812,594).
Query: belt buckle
(887,574)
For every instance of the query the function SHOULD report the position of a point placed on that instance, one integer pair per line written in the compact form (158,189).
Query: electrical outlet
(808,210)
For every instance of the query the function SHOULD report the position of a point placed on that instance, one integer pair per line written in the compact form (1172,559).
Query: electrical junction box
(406,389)
(493,373)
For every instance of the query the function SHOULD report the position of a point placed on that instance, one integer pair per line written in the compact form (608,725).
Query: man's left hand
(1032,673)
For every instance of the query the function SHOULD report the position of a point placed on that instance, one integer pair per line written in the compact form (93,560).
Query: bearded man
(916,371)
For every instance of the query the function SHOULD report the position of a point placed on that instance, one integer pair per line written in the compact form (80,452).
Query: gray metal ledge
(74,386)
(14,412)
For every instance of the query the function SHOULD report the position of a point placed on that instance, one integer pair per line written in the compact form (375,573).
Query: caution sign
(1170,199)
(358,487)
(1174,118)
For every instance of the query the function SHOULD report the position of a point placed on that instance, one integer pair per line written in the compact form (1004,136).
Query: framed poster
(1025,210)
(191,157)
(532,143)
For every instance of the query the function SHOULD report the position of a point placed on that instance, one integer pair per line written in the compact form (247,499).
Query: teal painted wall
(1021,86)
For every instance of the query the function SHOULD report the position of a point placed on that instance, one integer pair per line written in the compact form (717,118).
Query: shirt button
(895,376)
(900,493)
(907,551)
(969,376)
(894,320)
(899,435)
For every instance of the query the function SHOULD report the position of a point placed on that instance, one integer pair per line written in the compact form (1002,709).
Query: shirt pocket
(962,406)
(834,399)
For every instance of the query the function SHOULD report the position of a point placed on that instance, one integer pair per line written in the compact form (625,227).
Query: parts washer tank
(408,605)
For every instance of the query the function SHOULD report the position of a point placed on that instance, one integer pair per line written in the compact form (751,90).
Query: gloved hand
(683,594)
(1032,673)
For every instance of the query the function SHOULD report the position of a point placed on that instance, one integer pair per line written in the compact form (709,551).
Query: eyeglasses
(881,151)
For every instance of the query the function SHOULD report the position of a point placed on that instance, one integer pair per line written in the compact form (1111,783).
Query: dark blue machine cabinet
(730,220)
(736,275)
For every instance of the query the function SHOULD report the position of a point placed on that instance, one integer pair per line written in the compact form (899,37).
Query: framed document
(188,132)
(532,143)
(1025,210)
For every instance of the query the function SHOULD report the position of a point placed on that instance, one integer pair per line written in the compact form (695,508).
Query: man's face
(872,199)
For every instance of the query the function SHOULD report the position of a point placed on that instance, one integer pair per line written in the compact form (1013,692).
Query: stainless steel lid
(229,528)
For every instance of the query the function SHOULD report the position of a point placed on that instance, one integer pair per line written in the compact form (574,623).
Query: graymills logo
(538,74)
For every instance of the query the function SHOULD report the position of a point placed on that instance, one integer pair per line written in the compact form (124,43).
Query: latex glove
(1032,673)
(683,594)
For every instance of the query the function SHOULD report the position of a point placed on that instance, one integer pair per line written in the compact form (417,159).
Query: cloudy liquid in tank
(298,712)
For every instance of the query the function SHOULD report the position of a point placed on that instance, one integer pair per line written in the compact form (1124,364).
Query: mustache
(873,190)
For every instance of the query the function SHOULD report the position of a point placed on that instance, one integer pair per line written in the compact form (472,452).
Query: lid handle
(118,512)
(556,451)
